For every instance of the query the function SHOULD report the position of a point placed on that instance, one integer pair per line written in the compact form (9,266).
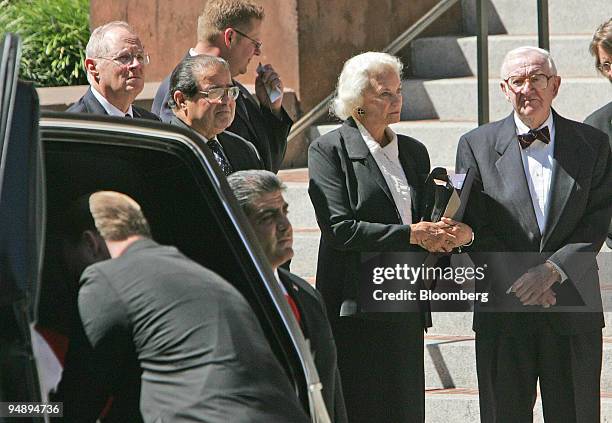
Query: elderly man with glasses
(540,208)
(204,100)
(115,63)
(231,29)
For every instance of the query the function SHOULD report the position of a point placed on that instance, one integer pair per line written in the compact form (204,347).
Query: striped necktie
(217,151)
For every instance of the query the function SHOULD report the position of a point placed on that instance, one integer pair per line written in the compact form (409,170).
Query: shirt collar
(192,52)
(391,149)
(110,109)
(521,128)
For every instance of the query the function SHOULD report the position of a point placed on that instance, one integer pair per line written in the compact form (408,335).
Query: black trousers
(568,368)
(381,367)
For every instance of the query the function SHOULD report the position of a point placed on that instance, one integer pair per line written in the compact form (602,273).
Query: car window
(181,202)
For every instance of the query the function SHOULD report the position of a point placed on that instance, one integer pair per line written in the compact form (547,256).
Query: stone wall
(307,41)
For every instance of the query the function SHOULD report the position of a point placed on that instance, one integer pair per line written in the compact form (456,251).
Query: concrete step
(460,323)
(460,405)
(440,137)
(520,16)
(456,99)
(571,54)
(450,362)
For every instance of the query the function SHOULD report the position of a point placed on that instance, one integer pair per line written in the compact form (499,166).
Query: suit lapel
(358,151)
(412,177)
(245,106)
(299,296)
(512,176)
(566,167)
(92,104)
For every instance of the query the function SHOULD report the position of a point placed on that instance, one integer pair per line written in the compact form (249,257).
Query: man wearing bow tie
(544,187)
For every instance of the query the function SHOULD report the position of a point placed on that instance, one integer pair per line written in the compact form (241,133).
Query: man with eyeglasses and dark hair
(115,62)
(601,48)
(204,100)
(231,29)
(543,186)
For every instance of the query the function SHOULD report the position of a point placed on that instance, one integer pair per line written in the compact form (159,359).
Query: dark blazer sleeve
(160,102)
(278,128)
(602,119)
(241,153)
(589,233)
(258,124)
(336,214)
(97,350)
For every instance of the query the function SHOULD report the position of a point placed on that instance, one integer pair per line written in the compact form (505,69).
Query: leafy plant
(54,34)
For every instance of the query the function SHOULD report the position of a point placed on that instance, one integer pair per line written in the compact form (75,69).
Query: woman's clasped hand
(442,236)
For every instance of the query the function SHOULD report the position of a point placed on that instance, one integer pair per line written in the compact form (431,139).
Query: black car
(47,162)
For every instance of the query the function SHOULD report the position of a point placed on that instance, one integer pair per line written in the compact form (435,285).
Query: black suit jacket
(317,330)
(241,154)
(602,119)
(203,355)
(356,212)
(89,104)
(254,123)
(503,217)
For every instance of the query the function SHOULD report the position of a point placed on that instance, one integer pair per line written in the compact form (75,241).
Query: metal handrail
(481,50)
(482,60)
(397,45)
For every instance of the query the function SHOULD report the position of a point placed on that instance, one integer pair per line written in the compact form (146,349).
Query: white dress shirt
(538,165)
(387,159)
(110,109)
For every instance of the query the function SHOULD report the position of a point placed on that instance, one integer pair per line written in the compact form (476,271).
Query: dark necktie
(129,116)
(215,147)
(525,140)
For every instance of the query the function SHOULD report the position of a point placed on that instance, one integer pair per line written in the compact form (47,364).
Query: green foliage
(54,34)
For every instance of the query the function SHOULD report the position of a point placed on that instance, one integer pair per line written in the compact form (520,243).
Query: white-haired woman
(365,185)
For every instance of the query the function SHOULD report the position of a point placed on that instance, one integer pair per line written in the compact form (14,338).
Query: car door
(21,229)
(188,204)
(186,199)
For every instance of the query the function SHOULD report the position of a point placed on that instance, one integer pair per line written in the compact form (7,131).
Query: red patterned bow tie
(525,140)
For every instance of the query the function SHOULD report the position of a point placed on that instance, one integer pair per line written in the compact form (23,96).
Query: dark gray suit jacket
(356,212)
(317,330)
(89,104)
(203,355)
(241,154)
(602,119)
(254,123)
(503,218)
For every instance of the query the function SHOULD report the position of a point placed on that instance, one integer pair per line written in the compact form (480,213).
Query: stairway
(440,97)
(440,104)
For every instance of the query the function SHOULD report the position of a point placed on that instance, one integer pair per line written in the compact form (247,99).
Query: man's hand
(532,288)
(432,237)
(267,77)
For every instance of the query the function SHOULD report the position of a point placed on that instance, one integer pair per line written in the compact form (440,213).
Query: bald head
(525,55)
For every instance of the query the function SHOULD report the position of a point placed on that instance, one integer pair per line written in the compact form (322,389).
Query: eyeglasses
(604,67)
(255,42)
(217,94)
(126,59)
(539,81)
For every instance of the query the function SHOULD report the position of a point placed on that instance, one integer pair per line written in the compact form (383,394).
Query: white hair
(527,51)
(355,79)
(97,46)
